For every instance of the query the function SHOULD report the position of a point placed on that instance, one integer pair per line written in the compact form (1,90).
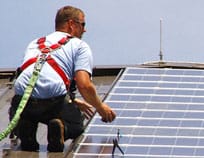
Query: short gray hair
(66,13)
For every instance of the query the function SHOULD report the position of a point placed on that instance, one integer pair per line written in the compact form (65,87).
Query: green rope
(24,99)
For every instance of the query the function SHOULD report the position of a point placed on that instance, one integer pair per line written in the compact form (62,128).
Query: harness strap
(45,49)
(28,62)
(59,70)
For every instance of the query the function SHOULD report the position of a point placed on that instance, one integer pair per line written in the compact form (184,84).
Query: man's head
(71,20)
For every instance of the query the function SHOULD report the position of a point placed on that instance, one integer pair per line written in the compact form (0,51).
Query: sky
(119,32)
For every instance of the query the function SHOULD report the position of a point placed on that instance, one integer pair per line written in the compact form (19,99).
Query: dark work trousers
(44,110)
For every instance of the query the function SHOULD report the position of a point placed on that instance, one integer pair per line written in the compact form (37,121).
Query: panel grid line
(89,155)
(140,145)
(145,136)
(153,102)
(152,95)
(147,127)
(157,88)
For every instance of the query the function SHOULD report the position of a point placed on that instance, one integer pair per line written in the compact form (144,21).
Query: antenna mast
(161,53)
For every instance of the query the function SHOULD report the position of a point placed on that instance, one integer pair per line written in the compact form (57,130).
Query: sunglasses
(81,23)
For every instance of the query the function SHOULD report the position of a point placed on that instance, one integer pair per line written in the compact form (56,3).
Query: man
(48,102)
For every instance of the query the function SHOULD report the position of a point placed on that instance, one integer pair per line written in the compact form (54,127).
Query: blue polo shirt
(71,57)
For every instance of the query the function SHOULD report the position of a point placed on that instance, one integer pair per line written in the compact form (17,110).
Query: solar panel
(160,114)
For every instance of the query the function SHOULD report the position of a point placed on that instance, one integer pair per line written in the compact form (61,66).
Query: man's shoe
(55,136)
(29,145)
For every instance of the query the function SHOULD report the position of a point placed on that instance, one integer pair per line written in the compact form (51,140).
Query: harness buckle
(41,61)
(46,50)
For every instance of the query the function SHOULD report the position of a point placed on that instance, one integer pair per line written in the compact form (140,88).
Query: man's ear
(70,24)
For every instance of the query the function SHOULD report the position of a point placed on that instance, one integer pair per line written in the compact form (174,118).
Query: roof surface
(103,84)
(140,96)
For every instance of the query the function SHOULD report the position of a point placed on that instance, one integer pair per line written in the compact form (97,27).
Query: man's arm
(88,92)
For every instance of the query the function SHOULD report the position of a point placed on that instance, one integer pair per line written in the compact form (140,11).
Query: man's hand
(86,108)
(107,114)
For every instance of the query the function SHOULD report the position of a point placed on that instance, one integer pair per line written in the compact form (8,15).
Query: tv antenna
(161,52)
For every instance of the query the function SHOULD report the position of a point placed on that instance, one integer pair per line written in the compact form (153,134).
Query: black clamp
(116,144)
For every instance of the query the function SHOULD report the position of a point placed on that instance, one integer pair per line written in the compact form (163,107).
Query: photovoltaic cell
(160,114)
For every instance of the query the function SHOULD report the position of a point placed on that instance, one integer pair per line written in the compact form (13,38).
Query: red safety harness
(47,49)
